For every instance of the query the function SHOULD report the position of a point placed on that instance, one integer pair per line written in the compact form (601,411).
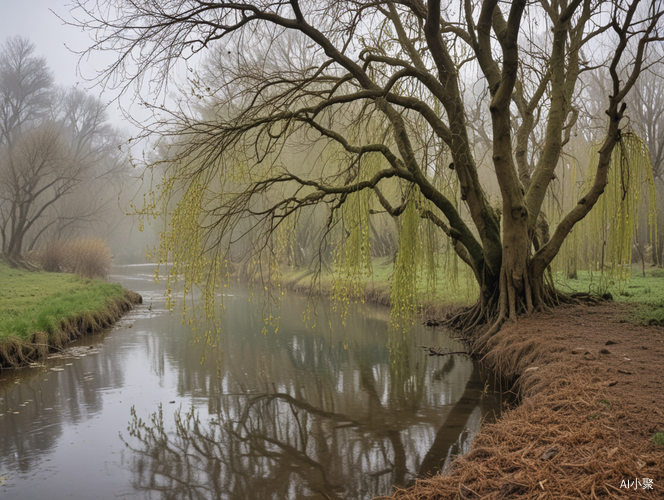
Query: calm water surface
(330,412)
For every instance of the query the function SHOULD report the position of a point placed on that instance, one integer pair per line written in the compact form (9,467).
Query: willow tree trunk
(515,286)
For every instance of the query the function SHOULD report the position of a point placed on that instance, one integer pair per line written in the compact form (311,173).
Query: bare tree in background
(26,84)
(399,65)
(54,144)
(93,148)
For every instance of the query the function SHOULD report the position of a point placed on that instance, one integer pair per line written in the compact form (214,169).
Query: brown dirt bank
(15,353)
(592,398)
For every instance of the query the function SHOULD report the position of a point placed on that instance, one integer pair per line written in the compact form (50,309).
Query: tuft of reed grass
(86,257)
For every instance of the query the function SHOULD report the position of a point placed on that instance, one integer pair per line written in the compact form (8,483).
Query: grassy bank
(645,293)
(447,293)
(40,311)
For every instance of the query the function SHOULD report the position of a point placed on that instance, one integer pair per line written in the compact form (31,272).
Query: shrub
(86,257)
(90,258)
(51,257)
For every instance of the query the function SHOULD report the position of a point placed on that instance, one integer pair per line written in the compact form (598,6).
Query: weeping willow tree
(287,76)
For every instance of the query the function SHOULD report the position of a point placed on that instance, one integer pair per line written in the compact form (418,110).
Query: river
(330,411)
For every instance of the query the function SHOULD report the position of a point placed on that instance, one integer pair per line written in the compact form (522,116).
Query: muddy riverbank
(590,387)
(591,404)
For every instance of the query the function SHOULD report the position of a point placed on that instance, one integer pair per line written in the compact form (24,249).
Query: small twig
(440,351)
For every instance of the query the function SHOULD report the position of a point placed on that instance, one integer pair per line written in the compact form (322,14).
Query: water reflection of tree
(278,445)
(325,413)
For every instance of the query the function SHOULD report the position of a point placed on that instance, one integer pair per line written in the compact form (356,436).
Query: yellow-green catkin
(403,296)
(352,260)
(602,243)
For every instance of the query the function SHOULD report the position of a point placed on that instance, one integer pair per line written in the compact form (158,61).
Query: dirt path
(593,397)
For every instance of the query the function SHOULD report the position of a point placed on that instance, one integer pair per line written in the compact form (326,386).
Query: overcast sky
(32,19)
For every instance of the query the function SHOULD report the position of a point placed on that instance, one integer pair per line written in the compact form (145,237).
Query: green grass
(605,403)
(658,439)
(646,293)
(462,292)
(38,301)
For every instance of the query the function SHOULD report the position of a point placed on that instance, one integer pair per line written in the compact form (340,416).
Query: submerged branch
(440,351)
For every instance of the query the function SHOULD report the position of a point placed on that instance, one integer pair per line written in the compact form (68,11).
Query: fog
(154,104)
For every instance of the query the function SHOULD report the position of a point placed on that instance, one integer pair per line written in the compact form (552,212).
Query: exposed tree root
(486,317)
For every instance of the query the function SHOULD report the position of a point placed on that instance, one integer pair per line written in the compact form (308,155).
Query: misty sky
(32,19)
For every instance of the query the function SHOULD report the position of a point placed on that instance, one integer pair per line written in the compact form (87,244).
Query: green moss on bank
(39,310)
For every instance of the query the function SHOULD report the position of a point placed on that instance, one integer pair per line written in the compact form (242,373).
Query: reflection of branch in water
(452,430)
(295,453)
(378,417)
(303,405)
(447,368)
(281,446)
